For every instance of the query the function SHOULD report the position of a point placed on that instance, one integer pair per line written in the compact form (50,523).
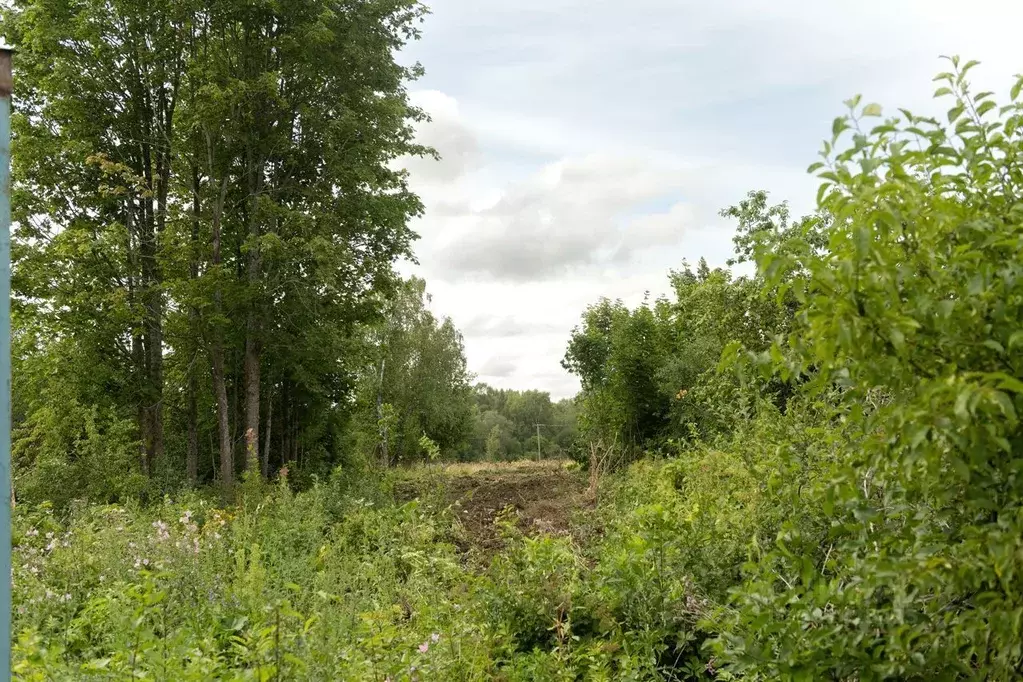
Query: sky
(587,146)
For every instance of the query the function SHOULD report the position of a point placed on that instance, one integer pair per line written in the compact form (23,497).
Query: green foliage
(505,425)
(840,497)
(858,514)
(649,374)
(416,384)
(336,582)
(911,311)
(206,218)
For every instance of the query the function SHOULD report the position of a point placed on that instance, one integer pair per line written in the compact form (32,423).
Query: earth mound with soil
(542,498)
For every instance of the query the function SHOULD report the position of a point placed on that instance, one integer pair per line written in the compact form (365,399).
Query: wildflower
(435,637)
(424,647)
(32,532)
(66,597)
(185,518)
(102,577)
(49,594)
(51,545)
(21,610)
(49,536)
(161,530)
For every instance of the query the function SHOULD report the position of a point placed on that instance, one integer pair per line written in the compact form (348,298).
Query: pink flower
(424,647)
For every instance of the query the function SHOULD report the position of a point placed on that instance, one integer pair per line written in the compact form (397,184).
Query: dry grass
(473,468)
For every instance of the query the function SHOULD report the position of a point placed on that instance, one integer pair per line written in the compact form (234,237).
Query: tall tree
(94,155)
(226,168)
(419,373)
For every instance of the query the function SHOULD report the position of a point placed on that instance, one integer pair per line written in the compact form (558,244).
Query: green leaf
(1005,405)
(960,408)
(994,345)
(873,109)
(960,467)
(1008,383)
(943,91)
(898,339)
(985,107)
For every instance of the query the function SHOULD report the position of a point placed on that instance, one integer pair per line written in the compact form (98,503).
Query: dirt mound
(542,497)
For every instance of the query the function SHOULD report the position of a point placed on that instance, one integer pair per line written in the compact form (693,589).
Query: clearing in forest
(541,497)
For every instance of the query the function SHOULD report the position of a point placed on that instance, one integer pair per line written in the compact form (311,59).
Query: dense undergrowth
(838,499)
(336,583)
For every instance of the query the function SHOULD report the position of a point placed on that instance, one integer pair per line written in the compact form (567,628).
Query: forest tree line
(209,203)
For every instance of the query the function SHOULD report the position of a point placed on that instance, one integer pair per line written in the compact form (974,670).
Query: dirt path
(543,497)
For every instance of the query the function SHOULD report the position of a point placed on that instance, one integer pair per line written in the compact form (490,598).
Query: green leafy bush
(914,313)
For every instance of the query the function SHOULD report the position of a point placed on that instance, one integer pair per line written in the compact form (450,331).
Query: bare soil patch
(542,497)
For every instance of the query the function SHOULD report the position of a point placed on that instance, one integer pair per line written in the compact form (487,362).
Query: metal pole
(6,86)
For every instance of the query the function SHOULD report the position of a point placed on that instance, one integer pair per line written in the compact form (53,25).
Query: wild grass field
(463,572)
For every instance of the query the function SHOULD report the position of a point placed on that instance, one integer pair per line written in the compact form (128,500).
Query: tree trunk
(223,425)
(137,352)
(192,454)
(293,455)
(217,350)
(251,403)
(254,180)
(265,463)
(285,421)
(384,455)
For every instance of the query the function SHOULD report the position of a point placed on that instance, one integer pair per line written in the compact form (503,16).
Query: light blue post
(6,494)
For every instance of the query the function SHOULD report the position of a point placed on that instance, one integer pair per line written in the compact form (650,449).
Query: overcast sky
(588,145)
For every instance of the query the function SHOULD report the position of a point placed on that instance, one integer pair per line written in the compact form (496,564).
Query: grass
(465,572)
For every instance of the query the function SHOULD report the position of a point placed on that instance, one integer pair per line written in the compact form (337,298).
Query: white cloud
(570,216)
(446,132)
(587,147)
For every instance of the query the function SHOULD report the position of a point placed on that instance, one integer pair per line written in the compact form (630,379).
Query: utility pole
(6,87)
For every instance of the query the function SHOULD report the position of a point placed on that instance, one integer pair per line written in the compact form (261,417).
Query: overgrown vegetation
(808,473)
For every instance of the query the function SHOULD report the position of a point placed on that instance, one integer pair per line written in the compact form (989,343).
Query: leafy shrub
(914,312)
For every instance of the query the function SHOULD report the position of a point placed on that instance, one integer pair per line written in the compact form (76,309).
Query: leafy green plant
(913,313)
